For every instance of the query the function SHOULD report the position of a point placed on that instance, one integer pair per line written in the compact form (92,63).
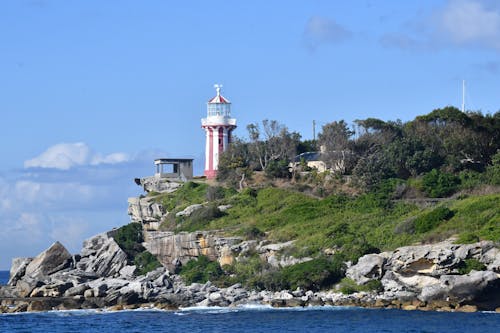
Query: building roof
(172,160)
(308,156)
(219,99)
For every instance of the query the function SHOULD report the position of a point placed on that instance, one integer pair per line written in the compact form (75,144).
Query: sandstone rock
(466,308)
(128,271)
(51,290)
(369,267)
(26,285)
(146,211)
(55,258)
(18,269)
(461,287)
(159,184)
(171,248)
(223,208)
(189,210)
(76,290)
(492,259)
(104,256)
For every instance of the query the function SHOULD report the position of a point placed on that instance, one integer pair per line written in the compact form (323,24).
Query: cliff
(266,241)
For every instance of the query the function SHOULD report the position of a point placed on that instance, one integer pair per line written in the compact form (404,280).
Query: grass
(353,225)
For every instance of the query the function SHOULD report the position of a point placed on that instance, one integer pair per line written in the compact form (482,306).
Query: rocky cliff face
(173,250)
(431,273)
(146,211)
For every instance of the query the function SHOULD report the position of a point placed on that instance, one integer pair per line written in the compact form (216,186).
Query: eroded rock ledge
(417,277)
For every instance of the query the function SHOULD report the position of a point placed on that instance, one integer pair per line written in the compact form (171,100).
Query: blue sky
(92,91)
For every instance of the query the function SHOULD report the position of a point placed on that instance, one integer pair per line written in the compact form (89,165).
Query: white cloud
(64,156)
(53,194)
(459,23)
(466,22)
(321,30)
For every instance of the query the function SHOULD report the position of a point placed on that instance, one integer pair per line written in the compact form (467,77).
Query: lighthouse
(218,126)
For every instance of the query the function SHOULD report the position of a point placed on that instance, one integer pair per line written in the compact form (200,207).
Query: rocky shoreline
(424,277)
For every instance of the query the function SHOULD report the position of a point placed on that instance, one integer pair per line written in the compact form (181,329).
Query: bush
(200,218)
(201,270)
(466,266)
(215,193)
(129,238)
(493,171)
(146,262)
(348,286)
(439,184)
(311,275)
(277,169)
(252,232)
(432,219)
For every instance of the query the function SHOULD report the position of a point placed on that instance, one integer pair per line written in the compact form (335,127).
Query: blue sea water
(249,319)
(4,277)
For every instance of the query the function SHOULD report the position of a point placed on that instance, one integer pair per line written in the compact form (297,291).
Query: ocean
(250,319)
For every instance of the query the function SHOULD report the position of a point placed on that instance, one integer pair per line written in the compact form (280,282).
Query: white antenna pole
(463,95)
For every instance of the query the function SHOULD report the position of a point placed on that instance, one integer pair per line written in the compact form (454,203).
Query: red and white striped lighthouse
(218,126)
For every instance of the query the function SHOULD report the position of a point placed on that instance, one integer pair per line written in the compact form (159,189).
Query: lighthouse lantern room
(218,126)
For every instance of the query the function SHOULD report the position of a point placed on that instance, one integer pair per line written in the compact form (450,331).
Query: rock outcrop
(147,211)
(101,276)
(431,273)
(173,250)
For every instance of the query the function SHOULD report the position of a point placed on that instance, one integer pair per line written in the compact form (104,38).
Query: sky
(91,92)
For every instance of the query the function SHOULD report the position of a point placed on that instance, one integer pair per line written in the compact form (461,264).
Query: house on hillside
(332,161)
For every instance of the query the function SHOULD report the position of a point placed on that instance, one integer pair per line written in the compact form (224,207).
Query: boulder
(103,256)
(145,210)
(460,288)
(369,267)
(189,210)
(76,290)
(18,269)
(51,290)
(55,258)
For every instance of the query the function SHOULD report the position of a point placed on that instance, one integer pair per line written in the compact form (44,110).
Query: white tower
(218,126)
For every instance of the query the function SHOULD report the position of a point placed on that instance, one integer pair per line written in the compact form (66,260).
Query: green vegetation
(468,265)
(348,286)
(201,270)
(129,238)
(391,184)
(432,219)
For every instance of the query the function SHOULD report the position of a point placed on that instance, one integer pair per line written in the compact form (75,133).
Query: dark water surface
(249,319)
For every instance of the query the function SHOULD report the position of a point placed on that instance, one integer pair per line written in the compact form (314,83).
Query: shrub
(215,193)
(146,262)
(439,184)
(129,238)
(200,217)
(493,171)
(432,219)
(312,275)
(201,270)
(252,232)
(466,266)
(349,286)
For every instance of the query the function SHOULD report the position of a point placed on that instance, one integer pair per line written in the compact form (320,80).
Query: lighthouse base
(210,174)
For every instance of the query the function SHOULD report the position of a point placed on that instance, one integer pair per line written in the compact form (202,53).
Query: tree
(235,163)
(272,144)
(334,140)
